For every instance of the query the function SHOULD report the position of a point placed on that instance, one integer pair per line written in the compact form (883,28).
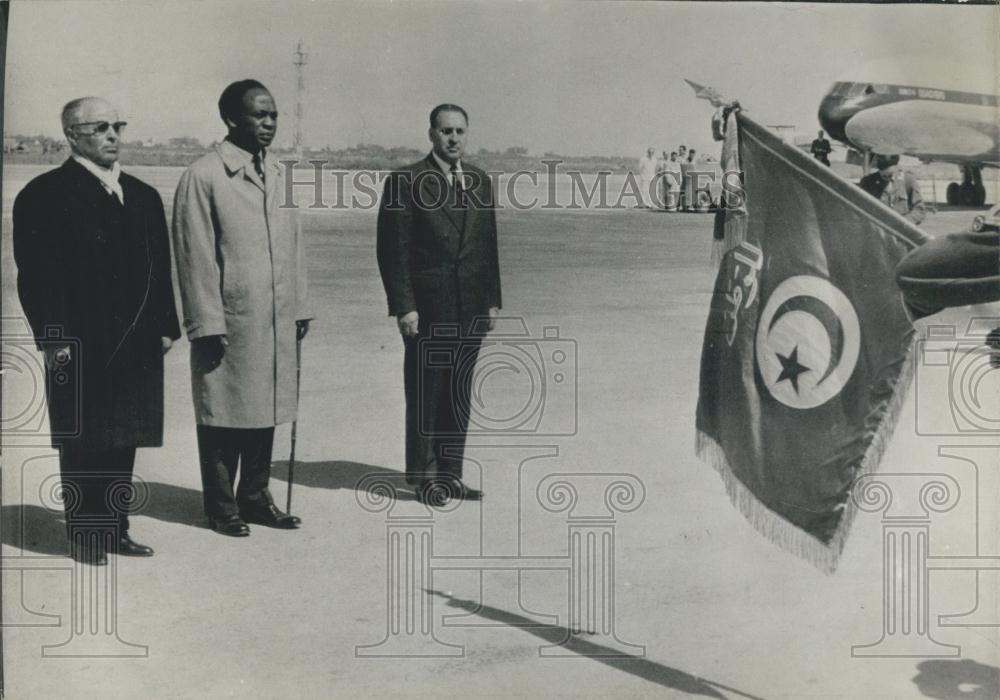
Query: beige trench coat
(241,271)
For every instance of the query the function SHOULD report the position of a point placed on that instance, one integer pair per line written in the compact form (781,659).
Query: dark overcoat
(95,275)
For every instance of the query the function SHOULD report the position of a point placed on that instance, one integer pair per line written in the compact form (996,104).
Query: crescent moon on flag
(808,340)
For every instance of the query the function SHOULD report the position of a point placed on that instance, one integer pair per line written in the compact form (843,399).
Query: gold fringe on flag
(824,556)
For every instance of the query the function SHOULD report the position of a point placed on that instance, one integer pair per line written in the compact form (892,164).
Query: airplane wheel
(953,193)
(968,194)
(980,196)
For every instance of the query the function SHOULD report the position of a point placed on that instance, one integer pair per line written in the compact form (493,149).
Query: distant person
(659,189)
(93,267)
(682,153)
(896,189)
(438,259)
(661,161)
(671,182)
(688,202)
(660,185)
(241,270)
(821,149)
(647,177)
(957,269)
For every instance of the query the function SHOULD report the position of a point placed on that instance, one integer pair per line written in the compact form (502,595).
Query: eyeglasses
(101,127)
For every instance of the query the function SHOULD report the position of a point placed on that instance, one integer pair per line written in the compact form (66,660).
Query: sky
(596,78)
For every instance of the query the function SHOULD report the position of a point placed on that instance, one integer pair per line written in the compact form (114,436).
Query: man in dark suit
(93,259)
(820,149)
(437,253)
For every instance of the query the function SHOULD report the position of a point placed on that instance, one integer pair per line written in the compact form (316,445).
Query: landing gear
(953,193)
(971,193)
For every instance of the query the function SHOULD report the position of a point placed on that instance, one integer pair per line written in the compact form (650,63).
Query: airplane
(927,109)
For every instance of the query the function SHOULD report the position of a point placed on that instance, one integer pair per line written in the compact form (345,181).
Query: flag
(806,356)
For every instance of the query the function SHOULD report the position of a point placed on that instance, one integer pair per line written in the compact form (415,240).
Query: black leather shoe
(437,492)
(272,517)
(130,548)
(457,490)
(466,493)
(233,526)
(95,556)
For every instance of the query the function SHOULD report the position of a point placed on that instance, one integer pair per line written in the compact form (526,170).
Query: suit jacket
(436,256)
(241,270)
(95,275)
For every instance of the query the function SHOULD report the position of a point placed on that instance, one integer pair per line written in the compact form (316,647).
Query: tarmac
(588,459)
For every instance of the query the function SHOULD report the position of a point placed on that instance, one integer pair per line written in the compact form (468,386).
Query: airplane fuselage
(930,123)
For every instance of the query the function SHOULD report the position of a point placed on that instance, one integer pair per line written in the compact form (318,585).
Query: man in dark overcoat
(437,254)
(93,260)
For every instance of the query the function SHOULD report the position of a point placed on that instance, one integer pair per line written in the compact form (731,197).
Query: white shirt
(108,177)
(446,168)
(647,167)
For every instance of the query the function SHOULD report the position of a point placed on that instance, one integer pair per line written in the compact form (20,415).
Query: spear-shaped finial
(710,94)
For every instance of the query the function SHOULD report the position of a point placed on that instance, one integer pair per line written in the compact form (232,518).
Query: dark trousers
(953,270)
(97,487)
(437,381)
(223,451)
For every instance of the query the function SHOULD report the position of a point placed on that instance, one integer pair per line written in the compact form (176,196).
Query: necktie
(458,184)
(258,166)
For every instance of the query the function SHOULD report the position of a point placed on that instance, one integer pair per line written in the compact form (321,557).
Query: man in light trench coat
(243,289)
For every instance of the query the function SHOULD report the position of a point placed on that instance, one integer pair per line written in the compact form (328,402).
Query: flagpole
(790,212)
(904,230)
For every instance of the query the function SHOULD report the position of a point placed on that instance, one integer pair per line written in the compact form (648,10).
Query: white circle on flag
(807,344)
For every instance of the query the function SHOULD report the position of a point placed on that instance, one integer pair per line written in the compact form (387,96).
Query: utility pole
(301,59)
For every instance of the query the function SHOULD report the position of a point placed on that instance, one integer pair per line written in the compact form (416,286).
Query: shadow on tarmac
(957,680)
(344,475)
(643,668)
(39,530)
(174,504)
(36,529)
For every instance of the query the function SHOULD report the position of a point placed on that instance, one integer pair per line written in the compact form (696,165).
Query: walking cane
(295,423)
